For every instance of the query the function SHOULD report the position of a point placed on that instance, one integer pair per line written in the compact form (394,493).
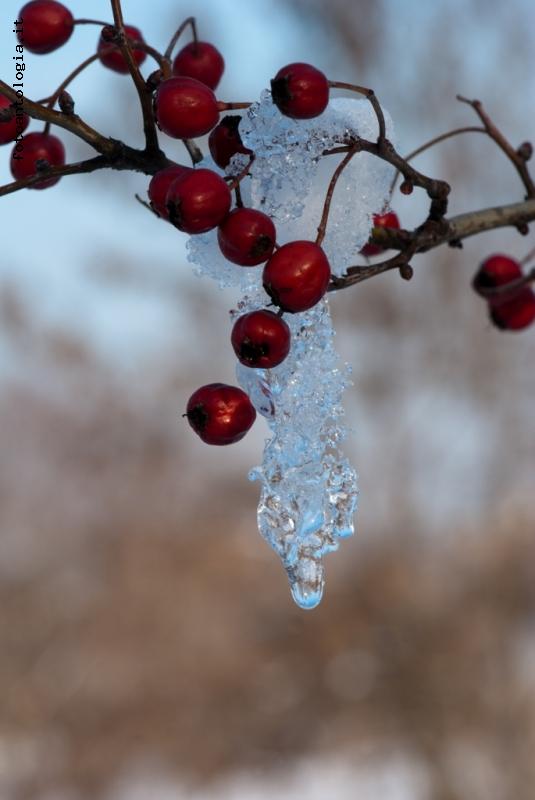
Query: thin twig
(145,97)
(430,236)
(91,22)
(178,33)
(371,96)
(432,142)
(90,165)
(69,122)
(518,162)
(322,227)
(195,153)
(241,175)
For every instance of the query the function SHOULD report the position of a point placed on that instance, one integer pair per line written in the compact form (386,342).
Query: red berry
(247,237)
(261,339)
(37,147)
(160,185)
(202,61)
(300,91)
(198,201)
(14,126)
(110,55)
(46,26)
(185,108)
(296,276)
(496,270)
(225,141)
(220,414)
(516,313)
(387,220)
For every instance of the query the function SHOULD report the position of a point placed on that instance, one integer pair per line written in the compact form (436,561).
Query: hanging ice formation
(309,489)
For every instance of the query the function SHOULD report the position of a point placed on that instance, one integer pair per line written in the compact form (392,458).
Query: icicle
(309,489)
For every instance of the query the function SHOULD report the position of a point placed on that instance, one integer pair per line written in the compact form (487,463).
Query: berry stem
(371,96)
(241,175)
(147,205)
(195,153)
(178,33)
(91,22)
(145,96)
(528,257)
(322,227)
(507,290)
(231,106)
(517,160)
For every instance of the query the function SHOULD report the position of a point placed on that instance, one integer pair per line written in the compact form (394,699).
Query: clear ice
(308,488)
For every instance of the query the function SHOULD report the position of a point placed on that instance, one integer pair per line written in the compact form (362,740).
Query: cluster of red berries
(511,302)
(295,275)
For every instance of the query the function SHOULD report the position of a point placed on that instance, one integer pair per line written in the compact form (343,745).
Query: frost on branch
(309,489)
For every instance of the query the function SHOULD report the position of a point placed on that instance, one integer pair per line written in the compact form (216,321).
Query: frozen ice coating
(308,488)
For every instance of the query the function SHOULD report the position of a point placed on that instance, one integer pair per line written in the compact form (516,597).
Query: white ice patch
(309,490)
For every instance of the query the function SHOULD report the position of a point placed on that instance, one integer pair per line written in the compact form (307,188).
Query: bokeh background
(149,647)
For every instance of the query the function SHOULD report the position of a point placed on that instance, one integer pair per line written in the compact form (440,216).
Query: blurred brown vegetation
(142,618)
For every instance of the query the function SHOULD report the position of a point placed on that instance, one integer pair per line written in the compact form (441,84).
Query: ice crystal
(308,488)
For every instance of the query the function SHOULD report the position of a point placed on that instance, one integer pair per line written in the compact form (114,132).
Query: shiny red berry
(110,55)
(387,220)
(198,201)
(11,128)
(160,185)
(300,91)
(296,276)
(185,108)
(46,26)
(496,270)
(261,339)
(37,147)
(247,237)
(225,141)
(220,414)
(202,61)
(516,313)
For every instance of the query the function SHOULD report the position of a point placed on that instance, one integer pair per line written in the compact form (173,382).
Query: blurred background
(149,647)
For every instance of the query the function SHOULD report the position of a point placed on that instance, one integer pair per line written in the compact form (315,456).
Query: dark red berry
(37,147)
(220,414)
(496,270)
(185,108)
(247,237)
(387,220)
(225,141)
(46,26)
(300,91)
(516,313)
(202,61)
(198,201)
(160,185)
(296,276)
(11,128)
(261,339)
(110,55)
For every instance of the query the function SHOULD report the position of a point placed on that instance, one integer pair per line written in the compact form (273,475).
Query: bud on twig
(525,151)
(66,103)
(406,272)
(406,187)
